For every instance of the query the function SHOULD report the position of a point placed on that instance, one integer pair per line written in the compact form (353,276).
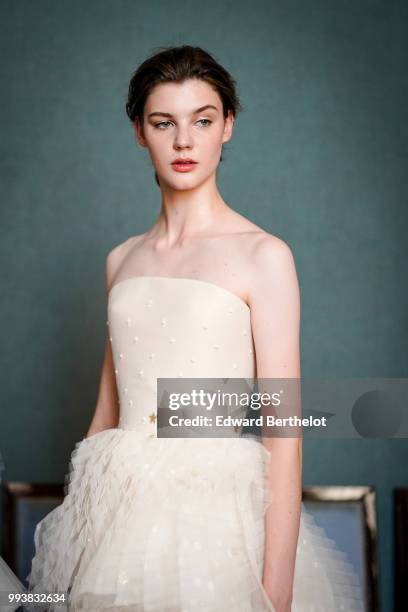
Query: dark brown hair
(177,64)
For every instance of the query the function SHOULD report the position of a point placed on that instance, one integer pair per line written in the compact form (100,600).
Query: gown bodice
(173,327)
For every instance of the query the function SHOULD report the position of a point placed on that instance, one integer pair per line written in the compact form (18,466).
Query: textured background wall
(317,158)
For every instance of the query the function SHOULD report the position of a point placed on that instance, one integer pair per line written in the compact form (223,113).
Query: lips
(183,164)
(183,161)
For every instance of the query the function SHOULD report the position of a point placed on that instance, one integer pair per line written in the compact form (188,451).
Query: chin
(183,182)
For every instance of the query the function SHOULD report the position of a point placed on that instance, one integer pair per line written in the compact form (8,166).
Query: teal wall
(317,158)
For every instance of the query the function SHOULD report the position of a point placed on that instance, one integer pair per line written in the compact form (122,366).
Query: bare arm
(275,319)
(106,413)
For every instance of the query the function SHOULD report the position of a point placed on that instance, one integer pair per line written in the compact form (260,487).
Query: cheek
(211,144)
(158,148)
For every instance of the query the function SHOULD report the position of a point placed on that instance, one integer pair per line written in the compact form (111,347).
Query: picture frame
(348,515)
(24,504)
(401,548)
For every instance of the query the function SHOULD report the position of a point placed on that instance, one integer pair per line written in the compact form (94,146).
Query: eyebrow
(199,110)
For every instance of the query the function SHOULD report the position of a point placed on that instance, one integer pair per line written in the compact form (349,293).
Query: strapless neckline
(176,279)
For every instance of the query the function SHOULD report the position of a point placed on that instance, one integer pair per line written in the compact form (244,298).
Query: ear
(137,126)
(228,127)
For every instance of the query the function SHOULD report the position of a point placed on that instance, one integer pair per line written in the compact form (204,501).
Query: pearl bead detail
(123,578)
(157,327)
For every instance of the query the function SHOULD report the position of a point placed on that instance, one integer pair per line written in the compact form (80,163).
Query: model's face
(184,120)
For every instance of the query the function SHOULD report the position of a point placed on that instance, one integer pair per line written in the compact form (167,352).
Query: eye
(208,122)
(162,125)
(156,125)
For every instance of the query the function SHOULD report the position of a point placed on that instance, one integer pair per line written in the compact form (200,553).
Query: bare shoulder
(261,247)
(271,265)
(116,256)
(270,252)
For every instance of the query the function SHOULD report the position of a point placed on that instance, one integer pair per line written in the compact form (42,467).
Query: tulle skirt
(176,525)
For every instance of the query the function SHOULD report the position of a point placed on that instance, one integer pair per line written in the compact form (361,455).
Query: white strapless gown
(154,524)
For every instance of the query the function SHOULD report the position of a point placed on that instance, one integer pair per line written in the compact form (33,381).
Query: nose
(183,139)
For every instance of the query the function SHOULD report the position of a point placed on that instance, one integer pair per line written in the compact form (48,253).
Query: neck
(188,213)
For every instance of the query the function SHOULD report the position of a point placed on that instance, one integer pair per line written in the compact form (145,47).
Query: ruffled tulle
(176,525)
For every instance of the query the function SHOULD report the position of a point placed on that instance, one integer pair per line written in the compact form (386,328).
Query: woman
(159,524)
